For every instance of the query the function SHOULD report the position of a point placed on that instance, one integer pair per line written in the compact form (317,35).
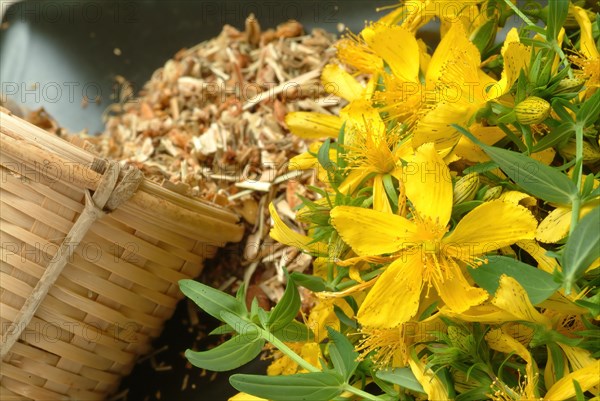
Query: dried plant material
(210,124)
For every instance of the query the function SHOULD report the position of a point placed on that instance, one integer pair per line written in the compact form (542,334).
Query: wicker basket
(87,281)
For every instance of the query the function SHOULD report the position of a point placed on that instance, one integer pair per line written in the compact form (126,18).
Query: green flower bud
(492,193)
(465,188)
(532,110)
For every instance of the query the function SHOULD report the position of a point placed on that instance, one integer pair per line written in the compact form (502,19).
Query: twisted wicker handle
(108,196)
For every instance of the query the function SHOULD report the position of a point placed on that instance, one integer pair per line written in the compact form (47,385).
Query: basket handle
(108,196)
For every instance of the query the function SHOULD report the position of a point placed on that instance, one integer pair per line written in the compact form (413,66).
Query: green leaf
(558,135)
(481,168)
(294,331)
(485,34)
(557,14)
(317,386)
(287,308)
(342,354)
(464,207)
(589,111)
(592,304)
(227,356)
(534,177)
(211,300)
(390,190)
(538,284)
(343,318)
(323,156)
(558,359)
(247,330)
(223,329)
(582,248)
(313,283)
(404,377)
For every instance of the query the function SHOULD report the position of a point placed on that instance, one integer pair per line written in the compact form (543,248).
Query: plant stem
(270,337)
(519,13)
(359,392)
(577,174)
(575,206)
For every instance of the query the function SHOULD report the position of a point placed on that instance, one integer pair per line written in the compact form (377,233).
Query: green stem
(359,392)
(578,173)
(519,13)
(287,351)
(575,206)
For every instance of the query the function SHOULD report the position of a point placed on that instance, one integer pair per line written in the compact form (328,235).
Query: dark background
(68,47)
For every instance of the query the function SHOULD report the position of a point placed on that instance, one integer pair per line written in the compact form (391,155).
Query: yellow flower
(423,252)
(414,14)
(587,378)
(308,124)
(430,382)
(282,233)
(499,340)
(371,151)
(557,223)
(391,346)
(589,60)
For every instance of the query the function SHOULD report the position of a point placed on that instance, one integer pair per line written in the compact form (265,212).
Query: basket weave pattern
(119,283)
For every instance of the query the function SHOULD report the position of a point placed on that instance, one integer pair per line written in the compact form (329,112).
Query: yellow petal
(429,185)
(498,340)
(561,304)
(578,357)
(285,235)
(455,44)
(369,232)
(468,150)
(394,299)
(557,223)
(516,57)
(456,292)
(545,262)
(397,46)
(435,127)
(518,198)
(381,202)
(361,117)
(587,44)
(308,124)
(485,313)
(482,231)
(432,384)
(354,179)
(340,83)
(512,298)
(546,156)
(587,378)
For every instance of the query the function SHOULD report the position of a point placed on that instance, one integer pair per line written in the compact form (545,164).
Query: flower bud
(568,85)
(492,193)
(532,110)
(569,151)
(465,188)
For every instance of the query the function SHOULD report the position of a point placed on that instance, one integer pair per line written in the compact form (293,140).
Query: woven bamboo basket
(91,257)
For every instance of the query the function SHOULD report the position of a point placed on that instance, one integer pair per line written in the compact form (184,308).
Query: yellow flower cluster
(410,215)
